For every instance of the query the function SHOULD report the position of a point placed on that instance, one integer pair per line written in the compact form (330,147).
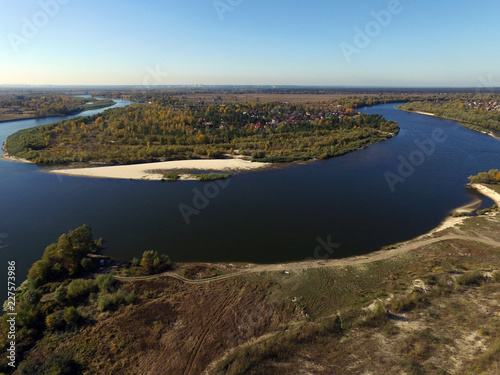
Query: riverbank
(453,222)
(155,171)
(483,131)
(486,191)
(7,157)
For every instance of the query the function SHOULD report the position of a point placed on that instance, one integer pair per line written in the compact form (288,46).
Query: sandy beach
(425,113)
(154,171)
(14,158)
(451,221)
(486,191)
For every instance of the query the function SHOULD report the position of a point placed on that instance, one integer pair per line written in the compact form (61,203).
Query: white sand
(490,193)
(149,171)
(7,157)
(451,221)
(425,113)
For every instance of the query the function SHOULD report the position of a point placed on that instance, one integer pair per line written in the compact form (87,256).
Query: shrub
(55,320)
(171,176)
(109,302)
(80,288)
(105,282)
(71,315)
(136,262)
(86,263)
(39,273)
(213,176)
(154,263)
(483,211)
(471,278)
(31,297)
(409,302)
(60,294)
(258,155)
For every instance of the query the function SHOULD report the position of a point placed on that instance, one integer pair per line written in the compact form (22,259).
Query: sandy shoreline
(425,113)
(151,171)
(451,221)
(7,157)
(486,191)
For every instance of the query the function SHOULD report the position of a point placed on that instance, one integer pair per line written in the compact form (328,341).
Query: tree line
(43,105)
(479,112)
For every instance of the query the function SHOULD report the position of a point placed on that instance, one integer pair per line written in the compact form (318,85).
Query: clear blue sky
(426,43)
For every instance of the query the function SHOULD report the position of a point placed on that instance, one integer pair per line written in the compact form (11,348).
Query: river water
(276,215)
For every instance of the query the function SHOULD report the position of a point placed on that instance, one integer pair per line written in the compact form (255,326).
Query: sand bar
(425,113)
(151,171)
(486,191)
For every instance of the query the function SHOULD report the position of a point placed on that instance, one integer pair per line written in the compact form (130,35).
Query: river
(276,215)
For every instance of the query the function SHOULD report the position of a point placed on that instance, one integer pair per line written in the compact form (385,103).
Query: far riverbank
(490,133)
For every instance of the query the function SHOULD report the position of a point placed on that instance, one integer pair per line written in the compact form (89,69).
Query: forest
(43,105)
(167,128)
(480,112)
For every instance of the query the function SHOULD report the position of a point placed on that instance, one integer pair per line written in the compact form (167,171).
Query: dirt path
(299,266)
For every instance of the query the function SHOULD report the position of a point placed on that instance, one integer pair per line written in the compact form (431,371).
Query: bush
(471,278)
(80,288)
(60,294)
(136,262)
(213,176)
(154,263)
(258,155)
(109,302)
(86,263)
(71,315)
(105,282)
(483,211)
(31,296)
(409,302)
(171,176)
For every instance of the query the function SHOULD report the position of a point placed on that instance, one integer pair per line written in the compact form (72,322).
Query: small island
(167,128)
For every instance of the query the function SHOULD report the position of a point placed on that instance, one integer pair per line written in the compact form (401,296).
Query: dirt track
(299,266)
